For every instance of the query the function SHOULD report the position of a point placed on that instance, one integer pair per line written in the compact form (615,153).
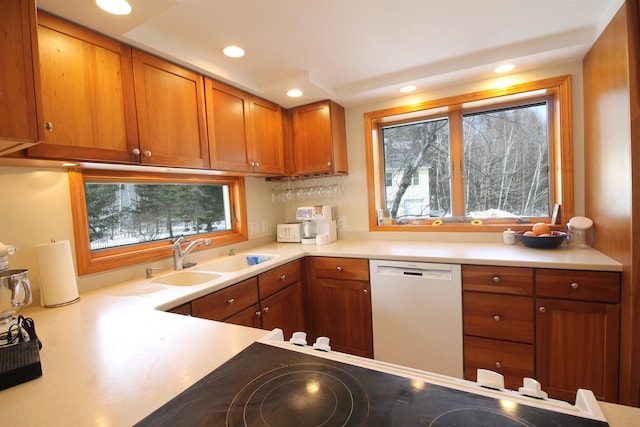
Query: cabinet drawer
(341,268)
(226,302)
(513,360)
(600,286)
(503,280)
(498,316)
(279,278)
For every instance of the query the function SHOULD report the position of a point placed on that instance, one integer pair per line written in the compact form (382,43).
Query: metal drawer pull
(542,309)
(364,291)
(48,127)
(339,268)
(498,365)
(496,279)
(258,313)
(497,318)
(284,276)
(230,301)
(574,285)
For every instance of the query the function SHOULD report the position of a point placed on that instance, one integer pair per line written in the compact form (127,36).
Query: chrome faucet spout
(179,253)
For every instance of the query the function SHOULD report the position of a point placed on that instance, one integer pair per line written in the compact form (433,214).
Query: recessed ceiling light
(406,89)
(233,51)
(117,7)
(504,68)
(294,93)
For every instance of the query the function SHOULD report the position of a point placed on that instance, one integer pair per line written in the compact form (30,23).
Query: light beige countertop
(114,357)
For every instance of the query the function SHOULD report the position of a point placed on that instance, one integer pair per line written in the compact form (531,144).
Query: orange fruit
(540,228)
(529,233)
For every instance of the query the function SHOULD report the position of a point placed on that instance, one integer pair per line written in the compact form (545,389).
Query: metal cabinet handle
(339,268)
(136,151)
(257,164)
(284,276)
(498,365)
(266,309)
(329,163)
(231,301)
(497,318)
(258,313)
(147,153)
(542,309)
(496,279)
(48,127)
(365,291)
(574,285)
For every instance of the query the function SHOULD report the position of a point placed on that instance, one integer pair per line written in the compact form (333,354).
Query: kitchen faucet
(179,254)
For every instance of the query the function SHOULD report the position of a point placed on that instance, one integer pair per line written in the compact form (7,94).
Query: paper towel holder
(57,275)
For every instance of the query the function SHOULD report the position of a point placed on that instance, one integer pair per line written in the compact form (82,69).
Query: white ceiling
(351,51)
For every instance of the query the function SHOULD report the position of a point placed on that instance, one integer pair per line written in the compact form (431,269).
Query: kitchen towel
(58,285)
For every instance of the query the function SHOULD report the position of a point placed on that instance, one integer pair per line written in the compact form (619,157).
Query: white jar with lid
(579,229)
(509,237)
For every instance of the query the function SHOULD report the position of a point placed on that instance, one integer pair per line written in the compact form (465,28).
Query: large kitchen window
(489,159)
(123,218)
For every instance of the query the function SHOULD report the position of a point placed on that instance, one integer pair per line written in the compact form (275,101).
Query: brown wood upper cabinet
(319,139)
(103,100)
(87,94)
(19,76)
(245,132)
(171,113)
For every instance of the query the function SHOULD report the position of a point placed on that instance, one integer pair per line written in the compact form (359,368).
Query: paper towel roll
(58,285)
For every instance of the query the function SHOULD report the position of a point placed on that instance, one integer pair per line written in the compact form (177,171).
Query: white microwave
(291,232)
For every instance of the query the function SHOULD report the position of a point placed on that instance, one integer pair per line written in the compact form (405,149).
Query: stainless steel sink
(186,278)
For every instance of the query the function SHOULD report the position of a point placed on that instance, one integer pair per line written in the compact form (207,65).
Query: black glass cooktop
(270,386)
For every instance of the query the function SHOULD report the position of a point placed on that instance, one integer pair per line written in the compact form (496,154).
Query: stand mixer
(15,289)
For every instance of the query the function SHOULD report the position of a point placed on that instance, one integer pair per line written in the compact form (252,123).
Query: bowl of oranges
(541,237)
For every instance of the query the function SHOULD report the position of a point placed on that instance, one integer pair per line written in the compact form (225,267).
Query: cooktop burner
(266,385)
(301,394)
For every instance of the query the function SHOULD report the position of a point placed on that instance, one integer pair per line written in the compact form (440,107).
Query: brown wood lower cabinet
(340,303)
(270,300)
(558,326)
(577,333)
(513,360)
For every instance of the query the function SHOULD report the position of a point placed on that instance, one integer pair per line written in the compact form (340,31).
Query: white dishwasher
(416,310)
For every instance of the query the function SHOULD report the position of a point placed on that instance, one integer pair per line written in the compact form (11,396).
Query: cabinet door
(577,347)
(284,310)
(248,317)
(342,312)
(184,309)
(267,144)
(313,138)
(171,113)
(87,94)
(228,126)
(18,75)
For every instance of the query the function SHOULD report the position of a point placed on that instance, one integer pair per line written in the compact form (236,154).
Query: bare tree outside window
(416,162)
(504,162)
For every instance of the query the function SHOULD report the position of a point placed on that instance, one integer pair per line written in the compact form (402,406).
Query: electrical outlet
(254,227)
(341,223)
